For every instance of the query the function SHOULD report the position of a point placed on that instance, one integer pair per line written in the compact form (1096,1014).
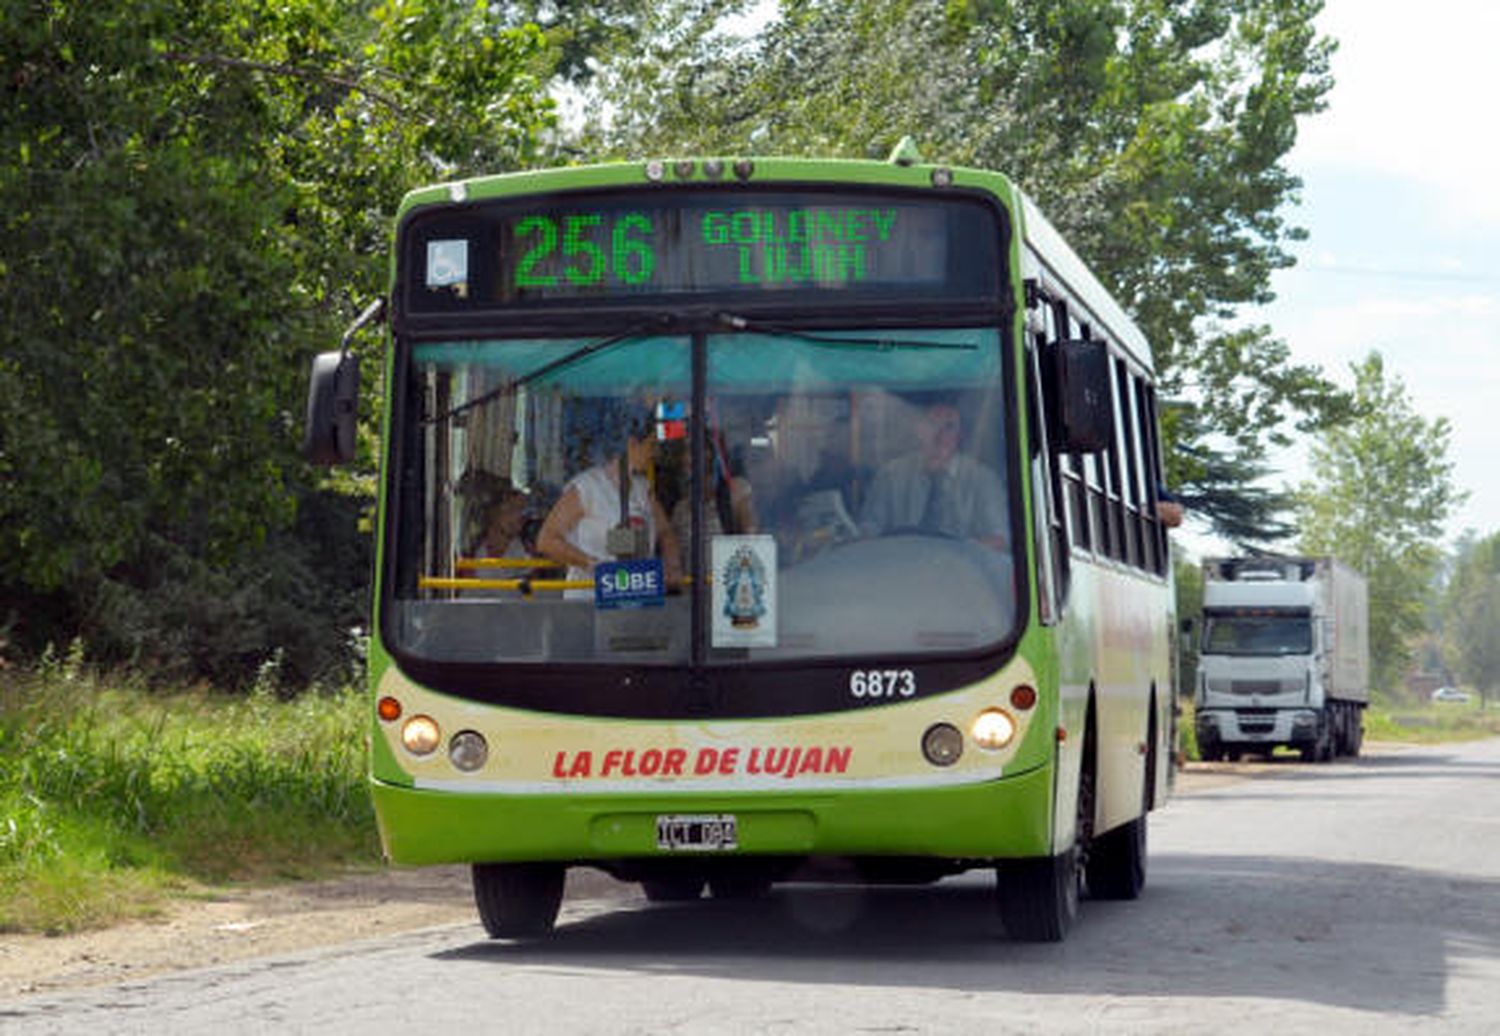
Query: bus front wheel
(1038,898)
(517,900)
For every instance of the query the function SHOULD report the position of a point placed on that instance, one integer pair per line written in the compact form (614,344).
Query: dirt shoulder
(238,924)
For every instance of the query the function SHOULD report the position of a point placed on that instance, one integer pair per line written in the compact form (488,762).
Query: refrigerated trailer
(1284,657)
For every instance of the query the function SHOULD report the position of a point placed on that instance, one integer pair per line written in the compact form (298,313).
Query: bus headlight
(942,744)
(993,729)
(468,750)
(420,735)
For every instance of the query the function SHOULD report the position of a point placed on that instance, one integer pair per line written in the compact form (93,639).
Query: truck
(1284,657)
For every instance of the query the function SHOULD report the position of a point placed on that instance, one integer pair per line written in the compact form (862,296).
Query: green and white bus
(886,596)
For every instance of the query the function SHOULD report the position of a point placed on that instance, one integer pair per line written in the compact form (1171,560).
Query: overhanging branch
(292,71)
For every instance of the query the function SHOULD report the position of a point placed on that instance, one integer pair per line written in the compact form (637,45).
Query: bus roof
(1061,263)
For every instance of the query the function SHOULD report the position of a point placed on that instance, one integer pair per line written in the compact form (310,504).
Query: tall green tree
(1153,132)
(193,195)
(1471,615)
(1382,489)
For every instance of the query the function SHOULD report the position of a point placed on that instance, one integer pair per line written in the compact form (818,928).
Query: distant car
(1452,694)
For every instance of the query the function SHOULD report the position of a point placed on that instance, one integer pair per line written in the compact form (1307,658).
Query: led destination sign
(631,245)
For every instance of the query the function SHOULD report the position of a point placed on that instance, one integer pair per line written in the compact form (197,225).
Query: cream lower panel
(869,746)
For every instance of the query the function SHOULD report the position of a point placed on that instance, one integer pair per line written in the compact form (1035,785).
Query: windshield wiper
(739,323)
(657,323)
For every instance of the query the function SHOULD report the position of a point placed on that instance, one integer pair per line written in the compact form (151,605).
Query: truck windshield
(1257,635)
(853,498)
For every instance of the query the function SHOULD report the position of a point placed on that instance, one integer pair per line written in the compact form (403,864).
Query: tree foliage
(1381,491)
(193,196)
(1471,614)
(1153,132)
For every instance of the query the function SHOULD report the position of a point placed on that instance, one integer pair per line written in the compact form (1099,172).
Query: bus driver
(936,489)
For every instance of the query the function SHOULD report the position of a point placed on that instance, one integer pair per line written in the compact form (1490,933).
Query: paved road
(1352,897)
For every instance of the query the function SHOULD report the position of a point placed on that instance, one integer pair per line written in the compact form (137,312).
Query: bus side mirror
(332,409)
(1080,379)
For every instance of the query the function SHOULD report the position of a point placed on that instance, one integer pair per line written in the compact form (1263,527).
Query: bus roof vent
(905,153)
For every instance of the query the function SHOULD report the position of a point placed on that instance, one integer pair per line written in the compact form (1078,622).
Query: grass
(1432,722)
(115,798)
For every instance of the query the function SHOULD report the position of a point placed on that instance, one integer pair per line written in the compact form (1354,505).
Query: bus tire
(1038,898)
(1116,866)
(1116,863)
(672,890)
(518,900)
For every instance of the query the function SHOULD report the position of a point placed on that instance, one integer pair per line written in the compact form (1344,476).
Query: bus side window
(1053,569)
(1151,451)
(1114,489)
(1132,496)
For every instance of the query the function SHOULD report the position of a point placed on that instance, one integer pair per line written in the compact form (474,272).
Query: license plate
(697,832)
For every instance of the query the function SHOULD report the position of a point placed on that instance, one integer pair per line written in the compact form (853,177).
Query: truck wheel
(1343,740)
(1326,746)
(1038,898)
(517,900)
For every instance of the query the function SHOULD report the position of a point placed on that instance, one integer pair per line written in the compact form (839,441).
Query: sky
(1400,199)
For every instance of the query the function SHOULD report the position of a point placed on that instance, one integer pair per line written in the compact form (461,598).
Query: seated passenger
(937,489)
(504,522)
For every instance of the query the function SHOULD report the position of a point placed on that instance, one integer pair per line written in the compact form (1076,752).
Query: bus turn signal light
(388,709)
(1023,696)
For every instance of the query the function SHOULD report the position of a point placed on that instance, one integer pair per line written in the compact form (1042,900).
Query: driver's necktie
(933,512)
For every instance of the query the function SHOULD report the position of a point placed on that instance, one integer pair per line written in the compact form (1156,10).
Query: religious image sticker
(744,591)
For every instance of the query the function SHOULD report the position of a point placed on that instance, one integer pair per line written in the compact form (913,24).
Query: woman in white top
(577,528)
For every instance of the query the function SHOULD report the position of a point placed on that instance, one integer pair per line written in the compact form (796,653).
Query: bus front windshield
(811,495)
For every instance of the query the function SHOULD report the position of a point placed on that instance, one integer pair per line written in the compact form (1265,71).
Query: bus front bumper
(1006,818)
